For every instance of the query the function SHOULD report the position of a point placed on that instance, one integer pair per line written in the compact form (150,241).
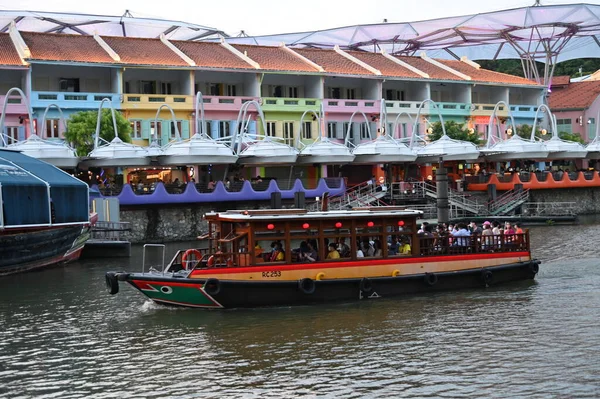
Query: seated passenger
(277,255)
(404,247)
(393,247)
(311,254)
(215,259)
(377,251)
(343,248)
(333,253)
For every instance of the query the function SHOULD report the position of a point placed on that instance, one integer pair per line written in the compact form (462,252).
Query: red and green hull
(220,290)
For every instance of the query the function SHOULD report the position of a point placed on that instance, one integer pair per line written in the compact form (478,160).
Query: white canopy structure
(563,149)
(55,153)
(58,154)
(116,153)
(325,151)
(255,149)
(448,149)
(322,150)
(198,150)
(549,34)
(383,149)
(515,148)
(104,25)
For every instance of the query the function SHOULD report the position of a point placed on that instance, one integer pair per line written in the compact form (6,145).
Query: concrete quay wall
(586,199)
(185,221)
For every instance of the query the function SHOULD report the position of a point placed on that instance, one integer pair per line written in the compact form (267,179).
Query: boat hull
(225,293)
(30,249)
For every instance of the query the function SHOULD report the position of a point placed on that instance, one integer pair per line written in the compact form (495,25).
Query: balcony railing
(290,104)
(479,109)
(523,111)
(15,105)
(72,100)
(153,101)
(349,106)
(226,103)
(405,106)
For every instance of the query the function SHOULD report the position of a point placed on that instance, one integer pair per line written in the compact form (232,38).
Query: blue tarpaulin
(25,197)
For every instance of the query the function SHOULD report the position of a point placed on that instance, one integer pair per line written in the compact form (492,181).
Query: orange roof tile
(433,71)
(8,52)
(385,66)
(332,62)
(275,58)
(211,55)
(561,80)
(485,75)
(66,48)
(577,95)
(139,51)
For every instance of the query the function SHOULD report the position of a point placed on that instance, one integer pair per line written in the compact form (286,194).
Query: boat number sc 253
(272,273)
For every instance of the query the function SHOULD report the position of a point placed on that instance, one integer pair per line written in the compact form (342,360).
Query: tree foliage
(570,67)
(81,127)
(576,137)
(454,130)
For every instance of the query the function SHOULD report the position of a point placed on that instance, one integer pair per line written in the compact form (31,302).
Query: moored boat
(279,257)
(44,214)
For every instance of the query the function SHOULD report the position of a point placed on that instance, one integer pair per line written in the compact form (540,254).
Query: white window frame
(52,128)
(12,134)
(307,130)
(224,129)
(271,129)
(179,124)
(157,130)
(332,130)
(136,129)
(288,132)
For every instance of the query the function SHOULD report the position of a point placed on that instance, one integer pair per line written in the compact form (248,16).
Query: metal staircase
(456,199)
(507,202)
(360,195)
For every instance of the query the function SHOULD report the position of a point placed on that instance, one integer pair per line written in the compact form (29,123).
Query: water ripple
(64,337)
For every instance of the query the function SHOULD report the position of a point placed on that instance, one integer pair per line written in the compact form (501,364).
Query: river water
(63,336)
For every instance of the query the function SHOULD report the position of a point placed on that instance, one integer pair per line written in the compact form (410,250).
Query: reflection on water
(64,336)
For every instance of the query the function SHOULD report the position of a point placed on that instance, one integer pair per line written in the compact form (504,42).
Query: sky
(262,17)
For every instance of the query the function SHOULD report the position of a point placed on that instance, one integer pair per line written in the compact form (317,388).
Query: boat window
(338,234)
(369,237)
(399,237)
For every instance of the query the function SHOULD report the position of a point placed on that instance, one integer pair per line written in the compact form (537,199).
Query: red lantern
(338,225)
(305,226)
(270,226)
(401,223)
(370,224)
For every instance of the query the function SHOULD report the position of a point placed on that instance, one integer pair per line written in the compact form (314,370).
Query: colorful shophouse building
(138,75)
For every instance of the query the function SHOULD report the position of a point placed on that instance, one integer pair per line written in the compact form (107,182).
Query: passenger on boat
(311,254)
(277,255)
(393,247)
(405,246)
(377,251)
(211,185)
(475,230)
(462,236)
(258,250)
(519,232)
(509,233)
(333,253)
(487,239)
(343,248)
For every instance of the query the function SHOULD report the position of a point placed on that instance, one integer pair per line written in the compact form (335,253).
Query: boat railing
(154,267)
(449,245)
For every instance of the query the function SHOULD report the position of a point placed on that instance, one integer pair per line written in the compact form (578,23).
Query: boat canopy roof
(264,215)
(37,193)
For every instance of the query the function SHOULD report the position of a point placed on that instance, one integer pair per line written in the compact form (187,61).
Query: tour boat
(281,257)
